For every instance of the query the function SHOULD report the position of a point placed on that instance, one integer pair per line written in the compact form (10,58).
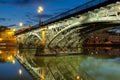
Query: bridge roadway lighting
(39,10)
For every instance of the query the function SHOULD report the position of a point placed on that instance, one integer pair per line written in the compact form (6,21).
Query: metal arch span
(33,34)
(68,27)
(78,33)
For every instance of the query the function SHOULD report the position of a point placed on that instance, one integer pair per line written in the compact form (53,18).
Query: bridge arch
(32,39)
(78,33)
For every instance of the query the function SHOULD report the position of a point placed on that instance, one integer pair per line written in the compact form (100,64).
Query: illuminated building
(7,37)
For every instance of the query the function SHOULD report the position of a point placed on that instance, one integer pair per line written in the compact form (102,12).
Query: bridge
(65,33)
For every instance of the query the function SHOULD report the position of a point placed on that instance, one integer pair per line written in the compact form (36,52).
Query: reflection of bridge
(69,29)
(52,68)
(71,67)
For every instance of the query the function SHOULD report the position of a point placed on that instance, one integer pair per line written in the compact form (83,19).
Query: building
(7,37)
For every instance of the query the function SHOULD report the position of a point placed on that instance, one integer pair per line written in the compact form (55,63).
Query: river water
(101,63)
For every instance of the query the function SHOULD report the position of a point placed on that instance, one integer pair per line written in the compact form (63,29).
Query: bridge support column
(41,45)
(42,74)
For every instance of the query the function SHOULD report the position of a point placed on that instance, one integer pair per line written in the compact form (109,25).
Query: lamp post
(40,10)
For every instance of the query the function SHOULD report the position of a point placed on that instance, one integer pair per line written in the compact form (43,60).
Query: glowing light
(92,53)
(20,71)
(1,39)
(17,51)
(96,52)
(0,51)
(13,61)
(9,57)
(10,33)
(20,24)
(40,9)
(13,29)
(78,77)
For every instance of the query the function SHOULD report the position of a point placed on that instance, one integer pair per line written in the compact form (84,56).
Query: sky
(14,11)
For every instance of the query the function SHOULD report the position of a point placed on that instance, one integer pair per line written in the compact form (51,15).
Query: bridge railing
(68,13)
(75,10)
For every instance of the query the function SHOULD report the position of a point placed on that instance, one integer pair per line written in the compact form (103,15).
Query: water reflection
(9,66)
(102,51)
(92,64)
(8,55)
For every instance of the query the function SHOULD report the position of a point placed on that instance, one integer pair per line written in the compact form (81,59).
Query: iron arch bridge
(65,35)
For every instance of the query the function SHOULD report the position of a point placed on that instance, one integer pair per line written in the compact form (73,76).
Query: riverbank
(102,45)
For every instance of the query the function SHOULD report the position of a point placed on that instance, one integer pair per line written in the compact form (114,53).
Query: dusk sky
(14,11)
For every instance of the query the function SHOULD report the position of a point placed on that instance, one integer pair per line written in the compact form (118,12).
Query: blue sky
(14,11)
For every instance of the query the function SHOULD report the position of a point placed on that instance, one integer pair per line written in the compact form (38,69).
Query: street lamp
(21,25)
(40,10)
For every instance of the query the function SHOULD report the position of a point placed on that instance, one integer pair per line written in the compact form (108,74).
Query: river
(94,63)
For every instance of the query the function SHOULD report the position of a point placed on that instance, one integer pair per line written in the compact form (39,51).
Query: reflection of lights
(9,58)
(96,52)
(18,51)
(0,51)
(78,77)
(13,61)
(91,52)
(20,71)
(92,36)
(8,55)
